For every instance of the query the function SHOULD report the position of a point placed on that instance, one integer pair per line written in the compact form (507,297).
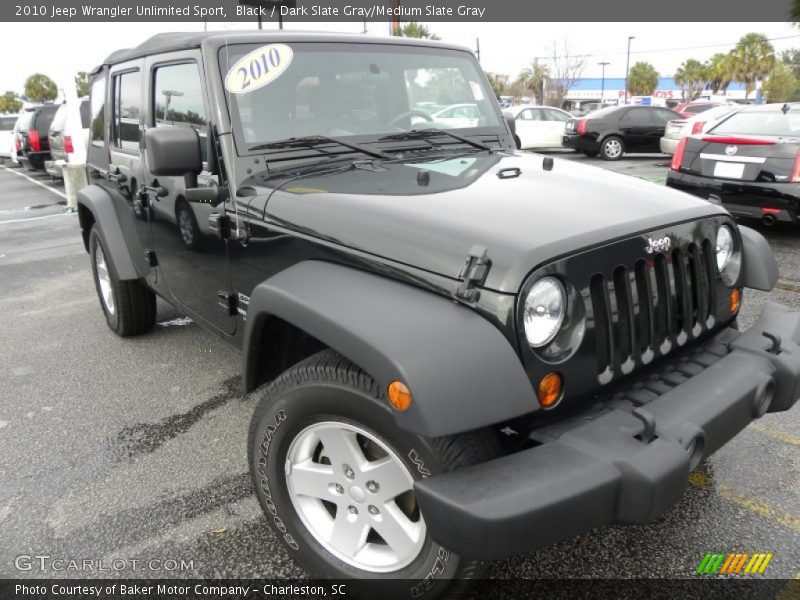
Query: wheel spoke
(391,477)
(349,533)
(397,530)
(311,479)
(341,447)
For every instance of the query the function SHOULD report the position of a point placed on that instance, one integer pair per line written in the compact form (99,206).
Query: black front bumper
(626,460)
(743,198)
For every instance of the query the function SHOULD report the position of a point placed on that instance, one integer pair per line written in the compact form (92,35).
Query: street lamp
(603,83)
(627,65)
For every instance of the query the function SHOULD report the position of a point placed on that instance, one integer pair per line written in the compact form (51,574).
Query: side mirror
(174,152)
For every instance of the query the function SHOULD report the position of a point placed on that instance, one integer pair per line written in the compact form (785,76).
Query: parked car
(689,109)
(34,144)
(680,128)
(8,146)
(538,126)
(458,115)
(457,351)
(17,149)
(749,163)
(615,130)
(69,136)
(586,108)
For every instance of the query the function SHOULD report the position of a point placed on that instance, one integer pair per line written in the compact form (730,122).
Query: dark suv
(457,351)
(34,145)
(616,130)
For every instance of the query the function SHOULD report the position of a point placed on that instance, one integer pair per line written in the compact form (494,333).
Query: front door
(192,260)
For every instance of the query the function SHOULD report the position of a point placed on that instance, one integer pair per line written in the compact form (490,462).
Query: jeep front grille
(642,310)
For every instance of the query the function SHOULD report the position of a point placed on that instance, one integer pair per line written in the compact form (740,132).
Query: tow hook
(776,342)
(649,422)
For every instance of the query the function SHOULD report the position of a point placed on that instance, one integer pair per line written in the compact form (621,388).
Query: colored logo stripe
(733,563)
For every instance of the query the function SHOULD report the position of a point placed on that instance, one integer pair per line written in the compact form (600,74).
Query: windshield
(761,123)
(341,90)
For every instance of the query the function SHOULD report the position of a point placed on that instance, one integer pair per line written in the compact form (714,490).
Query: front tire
(129,306)
(612,148)
(334,476)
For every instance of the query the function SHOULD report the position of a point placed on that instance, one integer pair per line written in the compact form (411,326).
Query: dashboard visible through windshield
(340,90)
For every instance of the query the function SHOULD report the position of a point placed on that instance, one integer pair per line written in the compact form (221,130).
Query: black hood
(430,220)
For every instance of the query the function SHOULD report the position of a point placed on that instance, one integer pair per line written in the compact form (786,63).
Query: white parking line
(64,214)
(47,187)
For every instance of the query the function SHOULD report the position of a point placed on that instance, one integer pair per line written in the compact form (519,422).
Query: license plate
(730,170)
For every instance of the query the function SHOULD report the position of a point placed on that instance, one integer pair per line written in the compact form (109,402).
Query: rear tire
(129,306)
(612,148)
(297,432)
(188,230)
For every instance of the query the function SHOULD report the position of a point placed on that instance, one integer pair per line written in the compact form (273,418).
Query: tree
(10,103)
(82,83)
(565,71)
(791,60)
(753,59)
(781,84)
(642,79)
(691,76)
(413,29)
(532,80)
(498,82)
(719,72)
(40,88)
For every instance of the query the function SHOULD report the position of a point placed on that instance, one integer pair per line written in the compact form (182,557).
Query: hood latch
(472,275)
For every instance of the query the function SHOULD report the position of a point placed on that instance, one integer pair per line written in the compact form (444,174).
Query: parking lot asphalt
(134,449)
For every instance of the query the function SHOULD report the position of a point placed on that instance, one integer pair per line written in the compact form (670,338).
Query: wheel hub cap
(332,470)
(104,279)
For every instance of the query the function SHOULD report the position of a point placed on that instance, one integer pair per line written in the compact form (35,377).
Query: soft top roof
(173,41)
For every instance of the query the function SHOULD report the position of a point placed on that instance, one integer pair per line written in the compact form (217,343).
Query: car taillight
(33,140)
(677,158)
(740,141)
(17,143)
(68,148)
(581,126)
(698,127)
(796,168)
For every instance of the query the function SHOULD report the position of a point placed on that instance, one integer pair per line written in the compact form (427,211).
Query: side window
(97,103)
(178,99)
(554,115)
(127,110)
(636,117)
(525,115)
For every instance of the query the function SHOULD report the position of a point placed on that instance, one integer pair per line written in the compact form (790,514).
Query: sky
(62,49)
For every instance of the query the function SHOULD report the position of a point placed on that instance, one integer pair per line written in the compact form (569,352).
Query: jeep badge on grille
(660,245)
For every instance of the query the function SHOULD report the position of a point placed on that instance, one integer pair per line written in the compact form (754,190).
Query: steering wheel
(414,112)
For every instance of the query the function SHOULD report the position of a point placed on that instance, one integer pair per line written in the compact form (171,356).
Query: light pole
(603,83)
(627,66)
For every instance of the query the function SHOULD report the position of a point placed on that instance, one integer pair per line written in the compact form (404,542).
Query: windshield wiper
(427,133)
(312,141)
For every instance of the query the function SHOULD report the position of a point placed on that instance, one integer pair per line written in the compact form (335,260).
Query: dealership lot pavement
(135,449)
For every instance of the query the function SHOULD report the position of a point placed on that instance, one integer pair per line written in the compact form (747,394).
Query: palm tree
(412,29)
(642,79)
(691,76)
(719,71)
(534,78)
(498,82)
(753,59)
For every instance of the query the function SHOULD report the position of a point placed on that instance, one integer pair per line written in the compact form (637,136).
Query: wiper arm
(426,134)
(312,141)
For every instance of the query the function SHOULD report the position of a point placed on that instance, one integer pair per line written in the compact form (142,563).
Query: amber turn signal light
(734,305)
(550,388)
(399,395)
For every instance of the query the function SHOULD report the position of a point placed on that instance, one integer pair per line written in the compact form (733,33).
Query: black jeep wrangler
(460,351)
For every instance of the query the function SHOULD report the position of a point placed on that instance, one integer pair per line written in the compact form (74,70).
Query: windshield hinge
(473,274)
(229,301)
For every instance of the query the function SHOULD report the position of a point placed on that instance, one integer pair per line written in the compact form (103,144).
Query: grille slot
(651,306)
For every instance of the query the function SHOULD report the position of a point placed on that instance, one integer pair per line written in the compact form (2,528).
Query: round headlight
(545,306)
(729,258)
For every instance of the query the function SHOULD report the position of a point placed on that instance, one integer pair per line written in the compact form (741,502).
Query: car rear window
(697,108)
(26,120)
(86,114)
(7,123)
(761,123)
(60,120)
(45,117)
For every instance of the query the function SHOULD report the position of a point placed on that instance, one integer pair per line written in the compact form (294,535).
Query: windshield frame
(244,148)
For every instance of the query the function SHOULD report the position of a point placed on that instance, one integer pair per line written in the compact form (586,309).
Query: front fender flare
(760,267)
(113,217)
(462,372)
